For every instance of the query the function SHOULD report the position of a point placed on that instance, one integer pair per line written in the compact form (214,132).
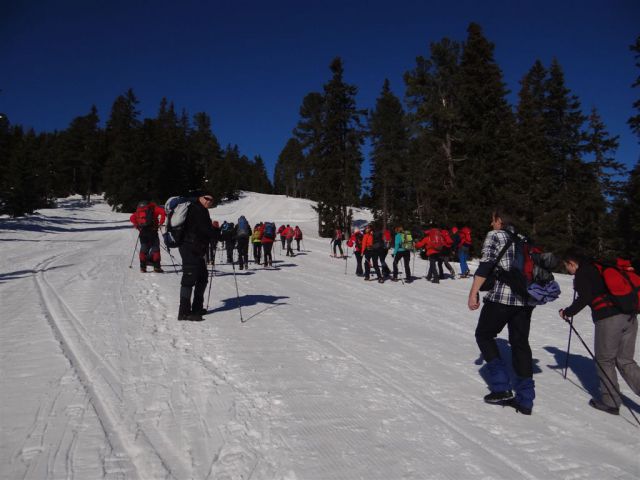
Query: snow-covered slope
(329,377)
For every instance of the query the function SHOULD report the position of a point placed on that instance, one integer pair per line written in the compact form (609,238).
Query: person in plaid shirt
(503,308)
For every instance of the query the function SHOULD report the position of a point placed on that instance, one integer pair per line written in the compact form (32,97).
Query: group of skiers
(261,239)
(439,246)
(616,324)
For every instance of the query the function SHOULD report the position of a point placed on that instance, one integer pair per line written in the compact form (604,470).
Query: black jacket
(198,230)
(589,285)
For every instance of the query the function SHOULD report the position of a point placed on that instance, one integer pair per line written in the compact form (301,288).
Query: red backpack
(623,287)
(435,239)
(145,215)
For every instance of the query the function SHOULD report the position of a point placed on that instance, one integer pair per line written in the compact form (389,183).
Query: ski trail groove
(100,382)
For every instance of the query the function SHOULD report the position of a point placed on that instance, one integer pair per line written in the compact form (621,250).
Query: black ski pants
(267,247)
(369,256)
(230,245)
(358,256)
(406,256)
(243,251)
(257,252)
(493,318)
(194,280)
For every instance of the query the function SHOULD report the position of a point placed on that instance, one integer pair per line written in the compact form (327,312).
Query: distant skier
(403,244)
(213,244)
(242,233)
(256,241)
(283,239)
(370,254)
(226,233)
(355,242)
(147,219)
(268,237)
(289,234)
(297,234)
(337,242)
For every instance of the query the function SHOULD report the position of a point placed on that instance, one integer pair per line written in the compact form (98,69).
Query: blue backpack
(243,228)
(269,230)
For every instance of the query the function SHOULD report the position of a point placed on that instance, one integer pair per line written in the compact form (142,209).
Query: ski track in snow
(329,377)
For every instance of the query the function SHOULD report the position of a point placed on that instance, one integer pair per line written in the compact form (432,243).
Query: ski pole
(134,250)
(210,283)
(237,292)
(603,372)
(566,364)
(346,261)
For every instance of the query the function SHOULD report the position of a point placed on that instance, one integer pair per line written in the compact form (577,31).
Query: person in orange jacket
(289,233)
(147,219)
(371,252)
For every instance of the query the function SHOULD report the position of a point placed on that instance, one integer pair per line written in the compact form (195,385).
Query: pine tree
(432,96)
(634,121)
(486,134)
(122,173)
(390,159)
(205,150)
(308,133)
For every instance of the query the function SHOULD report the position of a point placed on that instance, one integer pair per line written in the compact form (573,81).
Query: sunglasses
(208,199)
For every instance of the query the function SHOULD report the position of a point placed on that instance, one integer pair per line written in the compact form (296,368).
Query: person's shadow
(505,353)
(248,300)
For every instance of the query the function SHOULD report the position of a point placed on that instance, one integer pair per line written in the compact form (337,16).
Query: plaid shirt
(493,244)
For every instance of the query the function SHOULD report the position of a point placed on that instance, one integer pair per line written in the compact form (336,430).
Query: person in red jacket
(289,233)
(432,243)
(371,253)
(463,251)
(445,255)
(268,237)
(147,219)
(297,234)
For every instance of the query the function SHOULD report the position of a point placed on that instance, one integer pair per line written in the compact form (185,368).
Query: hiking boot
(246,266)
(598,405)
(381,280)
(514,404)
(201,312)
(143,269)
(158,269)
(183,316)
(497,397)
(241,266)
(408,280)
(394,279)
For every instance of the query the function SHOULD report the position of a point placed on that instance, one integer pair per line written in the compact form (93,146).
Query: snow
(329,378)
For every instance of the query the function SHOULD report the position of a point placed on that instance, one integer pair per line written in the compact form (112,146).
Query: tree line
(128,160)
(455,148)
(449,151)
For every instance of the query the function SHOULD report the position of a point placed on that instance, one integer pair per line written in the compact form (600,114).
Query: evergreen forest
(445,154)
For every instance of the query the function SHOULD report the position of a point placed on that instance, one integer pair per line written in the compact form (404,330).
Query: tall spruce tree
(308,132)
(123,179)
(389,134)
(338,176)
(487,132)
(432,97)
(531,148)
(576,201)
(205,150)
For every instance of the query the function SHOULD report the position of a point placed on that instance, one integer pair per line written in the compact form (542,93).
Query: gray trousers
(615,344)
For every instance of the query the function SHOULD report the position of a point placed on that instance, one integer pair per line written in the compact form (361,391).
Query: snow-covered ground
(329,378)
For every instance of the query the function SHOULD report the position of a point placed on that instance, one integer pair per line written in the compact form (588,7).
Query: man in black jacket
(198,232)
(615,332)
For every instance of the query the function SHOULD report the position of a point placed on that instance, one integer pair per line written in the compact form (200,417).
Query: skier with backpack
(371,254)
(503,307)
(268,237)
(213,244)
(612,293)
(227,235)
(256,241)
(241,236)
(432,244)
(403,245)
(445,255)
(196,232)
(283,239)
(147,220)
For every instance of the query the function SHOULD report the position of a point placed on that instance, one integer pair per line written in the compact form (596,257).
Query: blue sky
(249,64)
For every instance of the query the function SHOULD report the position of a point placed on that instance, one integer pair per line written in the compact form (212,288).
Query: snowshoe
(598,405)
